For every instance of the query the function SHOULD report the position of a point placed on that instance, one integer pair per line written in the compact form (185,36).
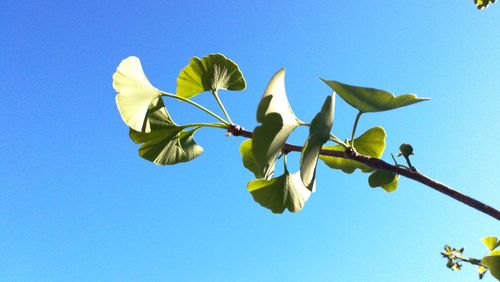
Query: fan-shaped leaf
(490,242)
(277,122)
(276,194)
(371,143)
(167,146)
(385,179)
(319,133)
(209,73)
(247,156)
(493,263)
(166,143)
(370,99)
(135,94)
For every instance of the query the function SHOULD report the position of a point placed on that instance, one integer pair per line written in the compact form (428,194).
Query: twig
(375,163)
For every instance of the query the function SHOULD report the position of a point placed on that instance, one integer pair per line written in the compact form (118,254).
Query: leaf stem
(355,126)
(338,141)
(215,125)
(165,94)
(216,95)
(394,159)
(407,158)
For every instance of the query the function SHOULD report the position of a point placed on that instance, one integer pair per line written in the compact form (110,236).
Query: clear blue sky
(78,204)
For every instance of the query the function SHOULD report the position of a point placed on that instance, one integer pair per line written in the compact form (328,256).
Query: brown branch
(375,163)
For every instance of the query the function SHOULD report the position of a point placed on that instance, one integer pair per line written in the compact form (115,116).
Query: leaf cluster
(165,142)
(491,262)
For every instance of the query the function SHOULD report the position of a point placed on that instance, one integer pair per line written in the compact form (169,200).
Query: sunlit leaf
(481,4)
(385,179)
(370,99)
(135,94)
(166,143)
(247,156)
(482,271)
(493,263)
(276,194)
(319,133)
(371,143)
(490,242)
(277,122)
(210,73)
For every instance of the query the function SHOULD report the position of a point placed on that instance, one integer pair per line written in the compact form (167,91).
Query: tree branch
(375,163)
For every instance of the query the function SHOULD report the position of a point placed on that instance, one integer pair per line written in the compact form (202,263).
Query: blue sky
(78,204)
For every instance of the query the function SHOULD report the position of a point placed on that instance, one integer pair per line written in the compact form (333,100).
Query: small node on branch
(351,152)
(285,150)
(234,129)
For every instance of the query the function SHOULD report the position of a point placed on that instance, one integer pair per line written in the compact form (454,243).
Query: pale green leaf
(210,73)
(385,179)
(371,143)
(490,242)
(493,264)
(277,123)
(247,156)
(370,99)
(276,194)
(135,94)
(167,146)
(319,134)
(166,143)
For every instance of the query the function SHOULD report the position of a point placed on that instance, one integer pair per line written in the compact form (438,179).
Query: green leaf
(247,156)
(490,242)
(319,134)
(493,264)
(482,4)
(370,99)
(276,194)
(166,143)
(210,73)
(277,123)
(135,94)
(371,143)
(167,146)
(385,179)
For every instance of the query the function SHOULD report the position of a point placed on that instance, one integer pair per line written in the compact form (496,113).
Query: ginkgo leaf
(166,143)
(167,146)
(493,264)
(385,179)
(247,156)
(210,73)
(370,99)
(276,194)
(277,123)
(135,94)
(371,143)
(490,242)
(319,134)
(482,4)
